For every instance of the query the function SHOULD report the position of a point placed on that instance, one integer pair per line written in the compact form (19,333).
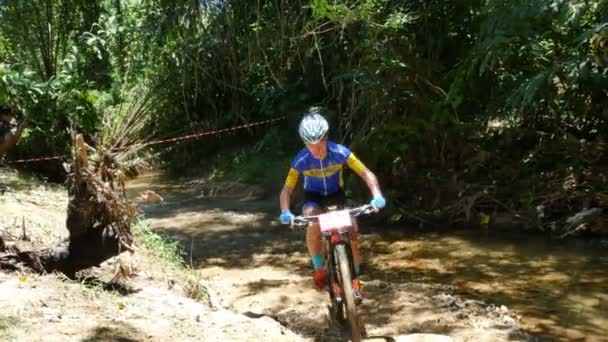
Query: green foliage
(41,34)
(264,163)
(542,63)
(51,107)
(159,245)
(50,63)
(412,84)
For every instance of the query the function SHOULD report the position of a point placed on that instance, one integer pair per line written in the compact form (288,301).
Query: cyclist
(321,163)
(7,138)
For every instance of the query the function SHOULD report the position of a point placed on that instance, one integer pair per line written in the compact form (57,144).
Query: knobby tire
(351,307)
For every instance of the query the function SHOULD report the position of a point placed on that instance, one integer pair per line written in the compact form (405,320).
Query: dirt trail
(51,309)
(152,303)
(260,269)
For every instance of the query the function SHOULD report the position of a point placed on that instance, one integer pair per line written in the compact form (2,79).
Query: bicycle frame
(336,228)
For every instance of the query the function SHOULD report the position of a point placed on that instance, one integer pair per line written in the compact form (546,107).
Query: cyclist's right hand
(286,217)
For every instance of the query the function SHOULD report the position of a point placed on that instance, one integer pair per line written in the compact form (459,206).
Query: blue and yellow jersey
(323,176)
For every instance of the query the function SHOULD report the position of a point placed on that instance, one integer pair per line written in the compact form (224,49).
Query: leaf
(484,219)
(398,20)
(255,27)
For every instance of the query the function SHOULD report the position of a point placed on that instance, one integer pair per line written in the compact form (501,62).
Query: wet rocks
(424,338)
(444,300)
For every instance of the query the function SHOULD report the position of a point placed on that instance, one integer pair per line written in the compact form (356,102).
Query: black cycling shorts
(338,199)
(315,199)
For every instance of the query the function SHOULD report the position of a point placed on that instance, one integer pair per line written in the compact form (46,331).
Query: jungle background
(477,116)
(465,110)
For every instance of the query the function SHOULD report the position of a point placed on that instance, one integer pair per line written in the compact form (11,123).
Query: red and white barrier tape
(161,141)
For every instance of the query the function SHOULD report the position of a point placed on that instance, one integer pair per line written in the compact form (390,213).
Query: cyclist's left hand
(378,202)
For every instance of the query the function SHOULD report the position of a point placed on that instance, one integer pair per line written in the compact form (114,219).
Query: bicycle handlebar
(303,221)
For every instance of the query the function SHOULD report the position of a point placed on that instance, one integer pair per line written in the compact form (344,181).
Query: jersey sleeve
(350,159)
(342,151)
(355,164)
(292,178)
(297,167)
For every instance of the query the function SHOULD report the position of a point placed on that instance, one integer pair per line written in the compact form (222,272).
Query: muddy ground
(155,300)
(261,269)
(251,276)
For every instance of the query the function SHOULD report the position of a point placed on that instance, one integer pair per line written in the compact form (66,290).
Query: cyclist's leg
(312,207)
(313,232)
(354,245)
(356,263)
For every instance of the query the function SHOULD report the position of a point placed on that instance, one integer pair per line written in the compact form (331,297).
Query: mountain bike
(336,229)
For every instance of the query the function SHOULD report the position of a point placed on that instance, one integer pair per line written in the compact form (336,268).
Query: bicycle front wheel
(346,279)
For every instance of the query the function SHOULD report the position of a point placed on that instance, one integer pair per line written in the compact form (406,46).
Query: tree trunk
(98,221)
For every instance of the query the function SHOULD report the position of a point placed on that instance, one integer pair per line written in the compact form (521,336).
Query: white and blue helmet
(313,126)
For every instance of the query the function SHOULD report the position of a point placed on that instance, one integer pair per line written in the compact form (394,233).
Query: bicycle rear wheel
(346,279)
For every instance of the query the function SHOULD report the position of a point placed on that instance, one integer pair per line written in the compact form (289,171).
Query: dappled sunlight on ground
(559,292)
(263,268)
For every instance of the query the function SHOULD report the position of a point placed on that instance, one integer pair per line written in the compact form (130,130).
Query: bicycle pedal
(358,297)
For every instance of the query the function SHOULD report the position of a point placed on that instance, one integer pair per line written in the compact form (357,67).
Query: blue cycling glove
(286,217)
(378,202)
